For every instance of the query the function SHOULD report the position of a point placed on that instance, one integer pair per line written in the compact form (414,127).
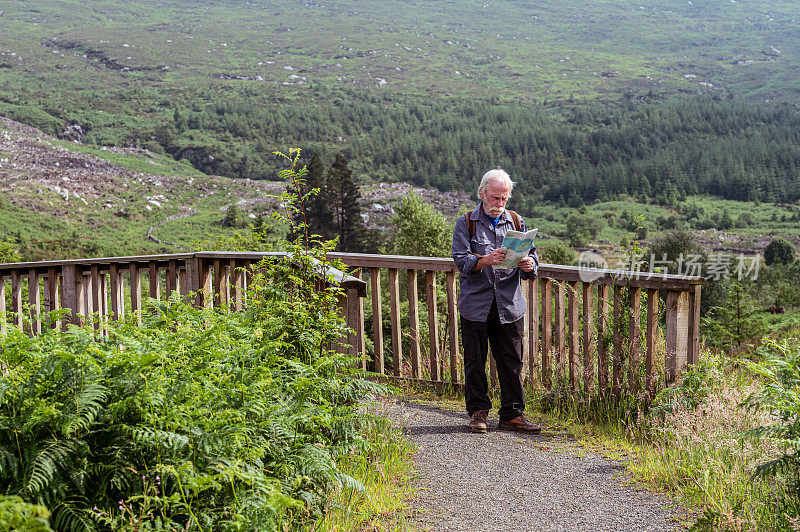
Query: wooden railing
(107,288)
(588,336)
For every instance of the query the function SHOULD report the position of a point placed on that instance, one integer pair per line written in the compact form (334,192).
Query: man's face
(495,198)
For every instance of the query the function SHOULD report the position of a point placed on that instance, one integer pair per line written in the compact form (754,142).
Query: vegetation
(779,251)
(198,419)
(420,230)
(585,123)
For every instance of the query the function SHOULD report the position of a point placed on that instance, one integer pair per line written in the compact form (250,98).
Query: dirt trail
(503,481)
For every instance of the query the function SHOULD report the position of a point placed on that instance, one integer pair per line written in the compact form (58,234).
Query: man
(492,306)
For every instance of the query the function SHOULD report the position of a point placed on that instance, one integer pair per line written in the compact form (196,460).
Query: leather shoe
(520,424)
(477,422)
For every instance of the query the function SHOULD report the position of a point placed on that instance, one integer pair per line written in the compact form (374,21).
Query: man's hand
(492,259)
(527,264)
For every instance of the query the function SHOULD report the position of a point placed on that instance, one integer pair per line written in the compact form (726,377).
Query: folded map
(517,245)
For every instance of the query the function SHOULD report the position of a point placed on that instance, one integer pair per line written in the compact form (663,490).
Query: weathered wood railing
(588,335)
(108,287)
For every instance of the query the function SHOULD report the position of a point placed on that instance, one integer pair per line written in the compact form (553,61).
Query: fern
(90,401)
(57,454)
(9,464)
(69,516)
(199,418)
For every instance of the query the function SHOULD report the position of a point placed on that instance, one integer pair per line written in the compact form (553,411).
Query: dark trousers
(506,342)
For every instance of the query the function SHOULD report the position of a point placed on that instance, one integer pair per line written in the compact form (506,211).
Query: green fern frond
(68,516)
(90,402)
(57,454)
(9,464)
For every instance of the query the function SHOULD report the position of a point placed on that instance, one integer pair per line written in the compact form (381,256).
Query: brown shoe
(520,424)
(477,422)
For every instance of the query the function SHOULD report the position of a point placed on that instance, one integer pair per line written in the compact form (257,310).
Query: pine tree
(343,195)
(314,210)
(737,320)
(318,209)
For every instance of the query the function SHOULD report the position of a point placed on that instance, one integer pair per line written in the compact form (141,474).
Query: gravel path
(504,481)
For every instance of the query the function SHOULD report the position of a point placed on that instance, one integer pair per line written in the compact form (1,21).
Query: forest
(580,154)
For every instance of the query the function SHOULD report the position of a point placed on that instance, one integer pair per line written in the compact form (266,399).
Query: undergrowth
(199,419)
(718,441)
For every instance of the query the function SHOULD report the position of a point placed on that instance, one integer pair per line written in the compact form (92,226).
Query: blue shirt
(479,288)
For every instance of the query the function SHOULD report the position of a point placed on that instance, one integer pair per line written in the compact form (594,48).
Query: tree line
(680,147)
(582,153)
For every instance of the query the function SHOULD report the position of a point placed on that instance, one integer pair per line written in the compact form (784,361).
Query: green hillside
(530,50)
(580,102)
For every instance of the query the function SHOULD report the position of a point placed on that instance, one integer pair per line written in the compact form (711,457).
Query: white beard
(495,212)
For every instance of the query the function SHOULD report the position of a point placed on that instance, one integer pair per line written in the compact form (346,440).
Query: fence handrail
(337,276)
(589,322)
(366,260)
(639,279)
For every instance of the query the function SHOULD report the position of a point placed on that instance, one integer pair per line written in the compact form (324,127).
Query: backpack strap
(515,218)
(471,222)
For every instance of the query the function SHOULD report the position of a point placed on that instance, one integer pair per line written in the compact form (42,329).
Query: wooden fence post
(694,325)
(602,344)
(452,316)
(616,375)
(634,327)
(3,326)
(560,329)
(533,326)
(54,297)
(677,333)
(574,334)
(397,340)
(361,349)
(136,290)
(547,330)
(69,292)
(377,320)
(34,301)
(588,339)
(433,325)
(16,298)
(117,303)
(650,349)
(155,284)
(413,322)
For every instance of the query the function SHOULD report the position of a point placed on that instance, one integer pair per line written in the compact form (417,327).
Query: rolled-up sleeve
(462,252)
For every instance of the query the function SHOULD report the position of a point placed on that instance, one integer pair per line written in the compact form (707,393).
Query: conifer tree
(343,195)
(319,211)
(315,211)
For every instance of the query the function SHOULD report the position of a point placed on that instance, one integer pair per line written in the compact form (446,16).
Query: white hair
(497,175)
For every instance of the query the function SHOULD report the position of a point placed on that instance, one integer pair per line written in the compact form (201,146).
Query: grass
(118,204)
(689,446)
(386,472)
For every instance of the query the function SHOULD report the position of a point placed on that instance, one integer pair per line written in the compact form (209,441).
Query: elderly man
(491,305)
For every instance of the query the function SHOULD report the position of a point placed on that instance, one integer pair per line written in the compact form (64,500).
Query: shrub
(556,253)
(200,418)
(421,230)
(779,251)
(8,252)
(15,514)
(780,374)
(582,228)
